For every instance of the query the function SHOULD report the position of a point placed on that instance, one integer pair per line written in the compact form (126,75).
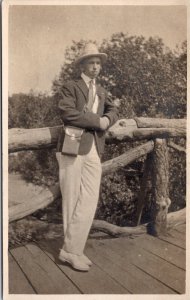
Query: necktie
(90,96)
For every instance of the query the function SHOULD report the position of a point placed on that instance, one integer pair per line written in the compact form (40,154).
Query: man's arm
(110,111)
(71,116)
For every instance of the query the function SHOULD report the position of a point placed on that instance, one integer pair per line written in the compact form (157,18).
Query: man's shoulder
(71,83)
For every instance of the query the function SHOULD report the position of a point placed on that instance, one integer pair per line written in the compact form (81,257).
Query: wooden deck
(143,265)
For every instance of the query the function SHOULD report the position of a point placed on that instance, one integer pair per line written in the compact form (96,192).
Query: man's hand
(104,123)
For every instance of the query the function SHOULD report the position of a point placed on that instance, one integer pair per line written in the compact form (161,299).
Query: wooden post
(160,180)
(145,185)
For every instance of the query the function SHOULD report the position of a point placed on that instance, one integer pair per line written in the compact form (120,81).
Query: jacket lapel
(82,86)
(100,92)
(101,97)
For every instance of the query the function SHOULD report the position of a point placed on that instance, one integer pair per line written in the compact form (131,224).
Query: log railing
(155,132)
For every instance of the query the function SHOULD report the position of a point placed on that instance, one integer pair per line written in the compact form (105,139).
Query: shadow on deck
(143,265)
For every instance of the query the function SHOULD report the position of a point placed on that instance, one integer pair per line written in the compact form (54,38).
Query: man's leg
(80,224)
(69,179)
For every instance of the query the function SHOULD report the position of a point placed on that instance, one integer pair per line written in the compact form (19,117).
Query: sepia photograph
(94,166)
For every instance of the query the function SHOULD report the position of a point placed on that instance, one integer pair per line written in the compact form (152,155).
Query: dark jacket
(74,96)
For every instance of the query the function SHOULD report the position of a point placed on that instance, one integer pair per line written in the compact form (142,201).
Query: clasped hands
(104,123)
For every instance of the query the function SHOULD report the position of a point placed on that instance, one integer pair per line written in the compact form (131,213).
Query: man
(80,176)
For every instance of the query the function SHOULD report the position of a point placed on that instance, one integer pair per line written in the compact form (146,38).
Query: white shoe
(76,261)
(86,260)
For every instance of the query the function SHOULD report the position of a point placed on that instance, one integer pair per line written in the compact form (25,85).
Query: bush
(33,111)
(39,167)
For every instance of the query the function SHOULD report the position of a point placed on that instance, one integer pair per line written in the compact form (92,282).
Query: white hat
(90,50)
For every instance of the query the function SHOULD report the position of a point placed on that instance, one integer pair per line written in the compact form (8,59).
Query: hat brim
(103,57)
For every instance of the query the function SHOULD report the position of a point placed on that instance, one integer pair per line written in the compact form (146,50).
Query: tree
(149,78)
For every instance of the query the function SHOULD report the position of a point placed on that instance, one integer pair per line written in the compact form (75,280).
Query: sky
(38,35)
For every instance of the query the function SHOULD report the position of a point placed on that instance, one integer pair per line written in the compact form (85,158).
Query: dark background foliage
(149,80)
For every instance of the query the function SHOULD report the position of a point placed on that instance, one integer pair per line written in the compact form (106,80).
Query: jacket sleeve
(111,111)
(71,116)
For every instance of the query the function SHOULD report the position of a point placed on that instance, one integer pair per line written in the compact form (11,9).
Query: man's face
(91,67)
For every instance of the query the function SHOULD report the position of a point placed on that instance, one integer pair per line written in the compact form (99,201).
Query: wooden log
(176,147)
(151,133)
(131,155)
(115,230)
(46,196)
(39,201)
(37,138)
(124,130)
(174,219)
(145,185)
(160,191)
(159,123)
(43,230)
(33,139)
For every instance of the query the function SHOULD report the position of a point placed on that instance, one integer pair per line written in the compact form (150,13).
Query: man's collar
(87,79)
(84,88)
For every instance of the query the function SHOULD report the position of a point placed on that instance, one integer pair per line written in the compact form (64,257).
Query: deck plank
(174,237)
(18,283)
(94,282)
(44,275)
(132,278)
(143,265)
(167,251)
(63,284)
(161,270)
(181,228)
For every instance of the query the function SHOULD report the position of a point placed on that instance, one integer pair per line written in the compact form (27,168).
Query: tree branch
(176,147)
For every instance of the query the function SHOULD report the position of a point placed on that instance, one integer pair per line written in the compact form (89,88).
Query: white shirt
(96,100)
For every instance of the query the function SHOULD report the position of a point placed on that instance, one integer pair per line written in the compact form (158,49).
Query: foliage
(177,177)
(33,110)
(149,80)
(39,167)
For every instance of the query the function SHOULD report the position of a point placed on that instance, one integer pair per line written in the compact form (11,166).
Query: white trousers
(80,179)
